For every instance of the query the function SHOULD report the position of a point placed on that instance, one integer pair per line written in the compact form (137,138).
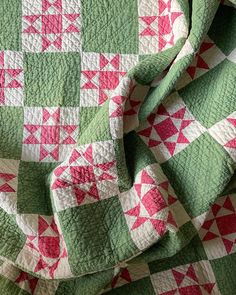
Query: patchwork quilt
(117,147)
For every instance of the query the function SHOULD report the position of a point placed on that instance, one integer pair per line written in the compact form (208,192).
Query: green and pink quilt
(117,147)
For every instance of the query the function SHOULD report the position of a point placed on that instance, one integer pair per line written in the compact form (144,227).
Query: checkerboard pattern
(117,147)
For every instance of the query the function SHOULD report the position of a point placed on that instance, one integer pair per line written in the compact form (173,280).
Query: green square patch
(169,245)
(10,24)
(124,179)
(33,192)
(11,133)
(140,287)
(52,79)
(137,154)
(86,116)
(96,235)
(223,29)
(225,269)
(113,20)
(193,252)
(98,127)
(196,180)
(211,97)
(86,285)
(8,287)
(12,238)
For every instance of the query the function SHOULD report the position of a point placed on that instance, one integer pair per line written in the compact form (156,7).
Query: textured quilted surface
(117,147)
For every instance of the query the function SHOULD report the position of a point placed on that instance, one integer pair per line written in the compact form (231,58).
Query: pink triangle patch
(174,16)
(159,226)
(14,84)
(2,97)
(228,245)
(69,140)
(72,29)
(209,236)
(106,176)
(208,287)
(171,147)
(59,183)
(138,188)
(116,61)
(182,138)
(201,63)
(7,176)
(164,185)
(93,192)
(146,178)
(31,18)
(74,156)
(215,209)
(232,121)
(134,211)
(103,61)
(31,30)
(205,46)
(207,224)
(71,17)
(58,42)
(138,222)
(13,72)
(146,132)
(69,128)
(89,85)
(102,97)
(178,277)
(179,114)
(148,32)
(31,139)
(117,113)
(79,194)
(171,200)
(170,219)
(40,265)
(231,143)
(228,205)
(2,59)
(88,154)
(191,70)
(191,273)
(148,19)
(42,225)
(162,111)
(6,188)
(153,143)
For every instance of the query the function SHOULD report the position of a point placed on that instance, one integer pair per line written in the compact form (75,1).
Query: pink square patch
(82,174)
(50,135)
(166,129)
(108,79)
(52,24)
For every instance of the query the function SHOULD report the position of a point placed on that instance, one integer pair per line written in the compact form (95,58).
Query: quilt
(117,147)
